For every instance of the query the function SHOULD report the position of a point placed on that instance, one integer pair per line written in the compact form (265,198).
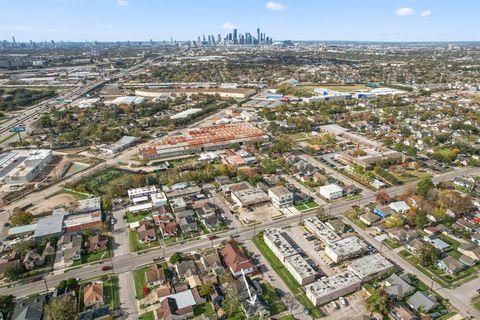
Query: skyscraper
(258,36)
(235,38)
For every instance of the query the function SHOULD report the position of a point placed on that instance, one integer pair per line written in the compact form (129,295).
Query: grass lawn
(283,273)
(392,244)
(111,293)
(307,206)
(135,245)
(139,281)
(289,317)
(352,216)
(454,243)
(130,217)
(147,316)
(204,308)
(476,302)
(275,304)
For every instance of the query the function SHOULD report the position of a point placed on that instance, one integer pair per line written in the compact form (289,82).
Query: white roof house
(331,191)
(399,207)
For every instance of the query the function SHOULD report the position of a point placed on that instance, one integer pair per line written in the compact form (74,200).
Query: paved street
(124,261)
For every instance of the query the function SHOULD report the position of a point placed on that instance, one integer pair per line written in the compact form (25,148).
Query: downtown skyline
(142,20)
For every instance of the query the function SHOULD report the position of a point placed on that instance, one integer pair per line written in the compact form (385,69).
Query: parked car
(106,268)
(343,301)
(158,259)
(212,237)
(334,305)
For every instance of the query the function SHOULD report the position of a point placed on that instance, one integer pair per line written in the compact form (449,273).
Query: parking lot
(318,256)
(263,213)
(355,306)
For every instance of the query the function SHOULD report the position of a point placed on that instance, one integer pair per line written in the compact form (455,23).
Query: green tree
(176,257)
(71,283)
(15,271)
(61,309)
(378,301)
(6,306)
(206,289)
(424,186)
(428,255)
(421,219)
(20,217)
(24,246)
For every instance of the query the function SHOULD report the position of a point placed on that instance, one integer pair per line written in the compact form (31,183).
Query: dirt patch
(52,202)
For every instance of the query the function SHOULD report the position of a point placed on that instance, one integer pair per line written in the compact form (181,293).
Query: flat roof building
(331,191)
(277,242)
(198,140)
(48,227)
(369,266)
(281,196)
(321,230)
(120,145)
(300,269)
(140,192)
(249,197)
(333,287)
(345,249)
(22,166)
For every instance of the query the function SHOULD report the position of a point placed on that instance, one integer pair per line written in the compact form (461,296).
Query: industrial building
(321,230)
(249,197)
(22,166)
(239,93)
(124,143)
(345,249)
(128,100)
(198,140)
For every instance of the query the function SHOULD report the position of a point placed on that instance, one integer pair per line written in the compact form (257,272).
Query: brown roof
(155,274)
(169,227)
(93,293)
(235,258)
(98,242)
(146,232)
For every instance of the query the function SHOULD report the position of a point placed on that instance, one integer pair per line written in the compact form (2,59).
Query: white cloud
(426,13)
(122,3)
(24,28)
(275,6)
(228,26)
(403,12)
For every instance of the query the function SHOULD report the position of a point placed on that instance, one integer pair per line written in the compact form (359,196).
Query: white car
(343,302)
(334,305)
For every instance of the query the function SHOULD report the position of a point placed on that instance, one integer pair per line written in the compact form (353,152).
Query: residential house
(185,269)
(33,260)
(102,313)
(476,238)
(465,225)
(29,309)
(71,246)
(168,229)
(236,260)
(401,312)
(369,218)
(471,250)
(414,246)
(397,288)
(399,207)
(281,196)
(439,244)
(93,294)
(450,265)
(421,301)
(212,263)
(464,182)
(186,221)
(401,234)
(146,234)
(176,306)
(337,226)
(97,243)
(155,276)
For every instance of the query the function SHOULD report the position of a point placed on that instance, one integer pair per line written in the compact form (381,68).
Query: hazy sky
(377,20)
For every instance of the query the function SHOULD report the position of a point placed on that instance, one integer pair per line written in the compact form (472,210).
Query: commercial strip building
(321,230)
(345,249)
(22,166)
(359,271)
(249,197)
(198,140)
(280,196)
(146,198)
(298,267)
